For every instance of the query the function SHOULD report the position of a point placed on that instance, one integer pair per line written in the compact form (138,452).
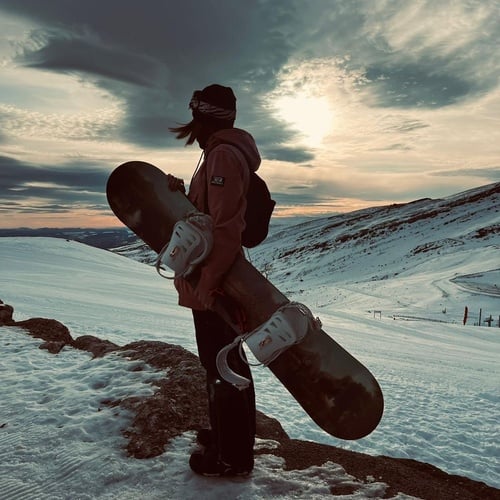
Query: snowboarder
(218,187)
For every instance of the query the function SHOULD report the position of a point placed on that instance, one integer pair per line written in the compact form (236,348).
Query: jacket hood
(240,139)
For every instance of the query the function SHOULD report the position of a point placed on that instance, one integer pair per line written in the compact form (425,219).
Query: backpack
(258,213)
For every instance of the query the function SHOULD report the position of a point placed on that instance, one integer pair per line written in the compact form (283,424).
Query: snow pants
(231,411)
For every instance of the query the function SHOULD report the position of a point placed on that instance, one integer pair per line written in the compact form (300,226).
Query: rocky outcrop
(6,312)
(173,410)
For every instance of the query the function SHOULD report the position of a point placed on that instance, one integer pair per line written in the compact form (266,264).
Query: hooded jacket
(219,188)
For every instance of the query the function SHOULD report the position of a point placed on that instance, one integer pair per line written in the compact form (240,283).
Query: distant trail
(479,289)
(480,283)
(444,293)
(418,318)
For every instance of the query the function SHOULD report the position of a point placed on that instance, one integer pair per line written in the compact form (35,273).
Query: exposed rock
(53,347)
(46,329)
(179,403)
(95,345)
(6,312)
(401,475)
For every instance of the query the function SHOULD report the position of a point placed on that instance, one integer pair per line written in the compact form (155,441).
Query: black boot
(229,445)
(205,438)
(208,463)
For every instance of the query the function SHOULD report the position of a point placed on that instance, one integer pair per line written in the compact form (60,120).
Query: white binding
(286,327)
(190,244)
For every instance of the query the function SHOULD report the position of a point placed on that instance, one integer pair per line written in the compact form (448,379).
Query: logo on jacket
(217,180)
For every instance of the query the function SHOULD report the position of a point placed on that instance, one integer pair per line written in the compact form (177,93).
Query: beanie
(214,102)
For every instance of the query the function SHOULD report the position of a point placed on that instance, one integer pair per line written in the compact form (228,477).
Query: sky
(352,103)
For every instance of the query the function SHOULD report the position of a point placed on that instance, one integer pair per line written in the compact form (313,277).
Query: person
(218,188)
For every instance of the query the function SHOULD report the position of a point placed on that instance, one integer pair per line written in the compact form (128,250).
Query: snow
(62,442)
(401,316)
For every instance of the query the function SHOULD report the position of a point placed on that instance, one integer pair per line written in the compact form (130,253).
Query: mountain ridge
(363,244)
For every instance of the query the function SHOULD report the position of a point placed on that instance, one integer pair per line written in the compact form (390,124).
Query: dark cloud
(490,173)
(394,147)
(417,85)
(303,195)
(433,77)
(68,184)
(26,209)
(65,51)
(288,153)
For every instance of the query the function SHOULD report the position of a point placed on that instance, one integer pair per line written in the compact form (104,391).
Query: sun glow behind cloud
(311,96)
(310,115)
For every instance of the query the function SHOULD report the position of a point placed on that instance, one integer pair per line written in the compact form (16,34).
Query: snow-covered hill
(99,238)
(390,284)
(136,250)
(385,242)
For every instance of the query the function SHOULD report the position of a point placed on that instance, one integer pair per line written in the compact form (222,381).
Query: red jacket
(219,188)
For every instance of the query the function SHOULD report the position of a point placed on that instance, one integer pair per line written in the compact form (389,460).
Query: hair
(193,129)
(189,130)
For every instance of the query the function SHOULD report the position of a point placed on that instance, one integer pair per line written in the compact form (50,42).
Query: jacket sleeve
(227,181)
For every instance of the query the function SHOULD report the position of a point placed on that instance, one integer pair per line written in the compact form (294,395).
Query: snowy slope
(379,243)
(137,250)
(440,378)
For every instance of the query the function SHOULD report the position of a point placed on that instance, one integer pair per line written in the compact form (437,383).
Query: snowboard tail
(337,391)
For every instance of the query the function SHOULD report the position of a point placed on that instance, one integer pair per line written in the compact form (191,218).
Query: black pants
(231,411)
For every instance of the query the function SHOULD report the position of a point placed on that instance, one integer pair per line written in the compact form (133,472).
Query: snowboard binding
(285,328)
(190,244)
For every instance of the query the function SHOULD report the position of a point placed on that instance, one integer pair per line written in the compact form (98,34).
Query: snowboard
(336,390)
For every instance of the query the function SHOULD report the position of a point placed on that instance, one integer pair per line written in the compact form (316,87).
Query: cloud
(69,185)
(417,85)
(436,52)
(288,154)
(489,173)
(84,52)
(99,124)
(152,59)
(395,124)
(413,54)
